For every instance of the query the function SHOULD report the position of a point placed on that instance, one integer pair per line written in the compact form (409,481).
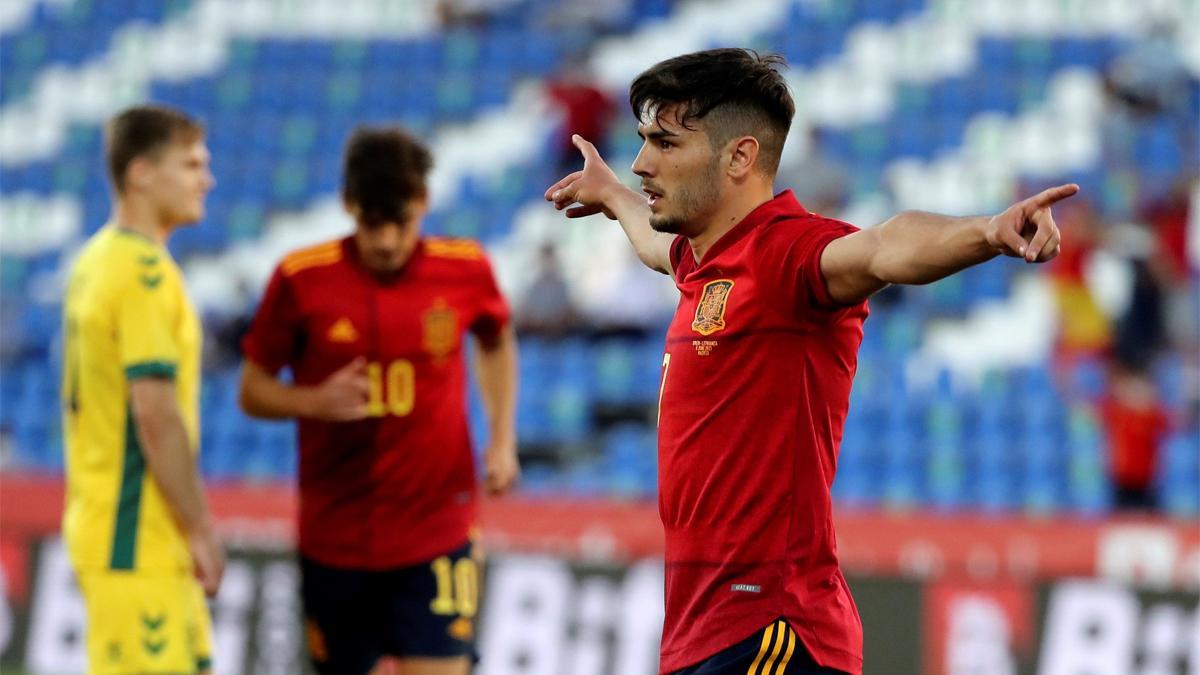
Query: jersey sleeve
(147,313)
(801,264)
(276,326)
(492,313)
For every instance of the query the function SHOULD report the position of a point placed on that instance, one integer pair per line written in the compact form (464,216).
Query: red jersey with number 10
(398,488)
(756,386)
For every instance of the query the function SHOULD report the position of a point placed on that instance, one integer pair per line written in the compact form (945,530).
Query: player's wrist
(620,200)
(305,402)
(502,439)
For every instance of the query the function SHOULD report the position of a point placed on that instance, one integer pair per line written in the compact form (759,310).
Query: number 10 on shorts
(457,587)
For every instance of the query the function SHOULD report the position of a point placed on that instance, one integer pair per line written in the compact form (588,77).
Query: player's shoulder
(804,224)
(119,256)
(317,256)
(454,249)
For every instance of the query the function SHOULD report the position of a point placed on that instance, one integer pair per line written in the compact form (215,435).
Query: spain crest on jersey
(441,329)
(710,311)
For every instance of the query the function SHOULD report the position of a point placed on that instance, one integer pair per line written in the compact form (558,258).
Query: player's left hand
(501,466)
(1027,229)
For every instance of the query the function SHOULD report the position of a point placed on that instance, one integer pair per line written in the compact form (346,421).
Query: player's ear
(351,208)
(743,156)
(137,172)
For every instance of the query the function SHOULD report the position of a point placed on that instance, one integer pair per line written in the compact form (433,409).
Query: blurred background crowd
(1067,388)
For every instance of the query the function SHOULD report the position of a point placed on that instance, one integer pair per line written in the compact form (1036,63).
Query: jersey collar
(781,205)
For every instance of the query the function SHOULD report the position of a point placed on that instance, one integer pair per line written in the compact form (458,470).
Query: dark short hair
(385,170)
(143,131)
(739,92)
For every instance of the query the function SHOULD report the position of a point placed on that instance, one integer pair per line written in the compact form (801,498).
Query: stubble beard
(695,200)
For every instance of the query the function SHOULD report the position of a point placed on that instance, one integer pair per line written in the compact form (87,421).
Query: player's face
(680,172)
(386,247)
(177,180)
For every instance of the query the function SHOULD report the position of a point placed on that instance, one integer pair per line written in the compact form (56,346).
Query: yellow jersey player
(137,526)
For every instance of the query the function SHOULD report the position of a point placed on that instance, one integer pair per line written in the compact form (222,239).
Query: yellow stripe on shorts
(790,637)
(768,638)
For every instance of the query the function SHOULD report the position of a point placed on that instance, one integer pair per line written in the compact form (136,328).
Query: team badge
(710,312)
(441,329)
(342,331)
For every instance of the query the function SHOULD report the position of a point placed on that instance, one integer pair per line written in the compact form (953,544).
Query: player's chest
(401,320)
(720,304)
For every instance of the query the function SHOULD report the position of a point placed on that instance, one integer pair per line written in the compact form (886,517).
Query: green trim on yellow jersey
(129,500)
(135,234)
(150,369)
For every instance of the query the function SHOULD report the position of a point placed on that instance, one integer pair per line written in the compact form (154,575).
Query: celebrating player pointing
(760,355)
(372,328)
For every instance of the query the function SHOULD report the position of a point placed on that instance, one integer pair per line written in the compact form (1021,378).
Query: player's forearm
(172,465)
(916,247)
(496,371)
(262,395)
(633,213)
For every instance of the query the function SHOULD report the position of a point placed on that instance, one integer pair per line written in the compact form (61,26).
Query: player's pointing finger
(589,151)
(1054,194)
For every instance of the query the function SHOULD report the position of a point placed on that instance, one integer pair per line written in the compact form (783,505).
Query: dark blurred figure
(820,183)
(1167,217)
(1136,423)
(594,16)
(1150,78)
(470,13)
(586,110)
(547,309)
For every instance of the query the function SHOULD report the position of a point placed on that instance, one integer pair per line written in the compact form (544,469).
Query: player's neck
(731,209)
(136,217)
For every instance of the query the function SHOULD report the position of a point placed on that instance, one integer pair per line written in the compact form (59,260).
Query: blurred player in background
(137,527)
(760,355)
(372,329)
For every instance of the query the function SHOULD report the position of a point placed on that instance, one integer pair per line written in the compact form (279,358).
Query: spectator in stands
(475,13)
(548,309)
(597,17)
(1136,424)
(1083,327)
(1141,331)
(586,110)
(1167,217)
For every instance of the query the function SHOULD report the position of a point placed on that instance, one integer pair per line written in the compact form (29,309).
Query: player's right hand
(208,559)
(343,396)
(589,188)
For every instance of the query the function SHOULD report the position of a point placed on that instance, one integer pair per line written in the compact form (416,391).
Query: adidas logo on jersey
(342,331)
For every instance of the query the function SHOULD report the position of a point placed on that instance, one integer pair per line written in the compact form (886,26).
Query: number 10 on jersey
(392,388)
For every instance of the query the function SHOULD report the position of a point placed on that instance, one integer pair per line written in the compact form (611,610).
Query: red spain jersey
(755,389)
(397,488)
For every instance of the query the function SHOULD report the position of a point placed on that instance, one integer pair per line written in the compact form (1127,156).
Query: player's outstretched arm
(596,189)
(341,397)
(915,247)
(168,455)
(496,371)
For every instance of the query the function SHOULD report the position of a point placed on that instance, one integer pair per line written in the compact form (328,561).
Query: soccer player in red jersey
(760,355)
(372,328)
